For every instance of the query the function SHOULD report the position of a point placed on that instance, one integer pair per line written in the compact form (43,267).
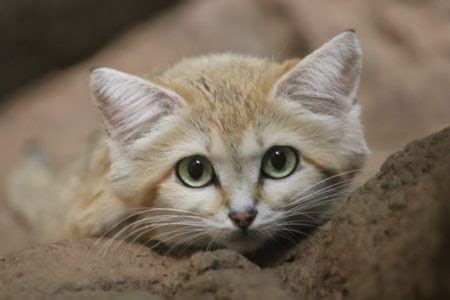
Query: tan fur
(231,113)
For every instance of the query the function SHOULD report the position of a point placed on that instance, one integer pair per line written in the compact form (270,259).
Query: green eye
(279,162)
(195,171)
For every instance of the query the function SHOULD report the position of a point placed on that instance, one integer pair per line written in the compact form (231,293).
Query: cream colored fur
(231,109)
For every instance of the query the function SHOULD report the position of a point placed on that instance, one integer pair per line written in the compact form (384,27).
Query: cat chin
(244,247)
(243,242)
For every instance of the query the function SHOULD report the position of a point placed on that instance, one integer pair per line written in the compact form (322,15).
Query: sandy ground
(405,91)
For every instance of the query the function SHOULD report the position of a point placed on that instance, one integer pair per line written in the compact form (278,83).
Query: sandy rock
(235,284)
(109,295)
(221,259)
(63,269)
(391,239)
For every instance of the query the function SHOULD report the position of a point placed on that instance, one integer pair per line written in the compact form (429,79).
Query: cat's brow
(254,156)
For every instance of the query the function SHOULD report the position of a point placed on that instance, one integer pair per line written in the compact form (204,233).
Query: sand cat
(221,150)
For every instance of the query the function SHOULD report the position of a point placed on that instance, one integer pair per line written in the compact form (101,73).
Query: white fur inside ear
(326,81)
(131,107)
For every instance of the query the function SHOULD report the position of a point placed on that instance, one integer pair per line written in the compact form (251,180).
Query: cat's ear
(325,81)
(131,107)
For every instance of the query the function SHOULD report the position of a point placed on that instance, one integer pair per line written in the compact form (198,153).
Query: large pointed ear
(131,107)
(326,81)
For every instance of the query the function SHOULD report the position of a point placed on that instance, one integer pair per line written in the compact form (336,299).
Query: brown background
(405,91)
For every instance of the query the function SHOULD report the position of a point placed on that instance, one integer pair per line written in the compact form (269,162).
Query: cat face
(231,150)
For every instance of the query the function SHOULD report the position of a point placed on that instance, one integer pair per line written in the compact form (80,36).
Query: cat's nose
(243,219)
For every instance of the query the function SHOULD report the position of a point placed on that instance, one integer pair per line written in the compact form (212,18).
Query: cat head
(232,150)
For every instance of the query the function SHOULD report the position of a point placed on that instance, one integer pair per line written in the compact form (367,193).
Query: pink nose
(243,219)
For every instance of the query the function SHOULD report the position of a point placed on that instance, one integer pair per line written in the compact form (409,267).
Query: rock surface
(390,240)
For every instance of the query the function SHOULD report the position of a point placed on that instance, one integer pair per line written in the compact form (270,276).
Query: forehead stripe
(318,165)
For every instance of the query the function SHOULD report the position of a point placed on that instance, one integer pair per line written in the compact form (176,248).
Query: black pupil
(195,168)
(278,159)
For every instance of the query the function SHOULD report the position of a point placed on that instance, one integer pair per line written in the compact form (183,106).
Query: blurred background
(49,46)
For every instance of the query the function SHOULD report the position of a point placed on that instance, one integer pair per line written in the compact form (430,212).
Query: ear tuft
(326,81)
(131,107)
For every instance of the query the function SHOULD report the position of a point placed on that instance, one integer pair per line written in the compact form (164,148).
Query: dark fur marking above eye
(327,172)
(205,85)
